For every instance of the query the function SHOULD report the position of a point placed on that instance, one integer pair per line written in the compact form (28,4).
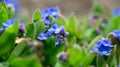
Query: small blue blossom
(58,43)
(103,47)
(58,32)
(118,65)
(60,35)
(116,33)
(116,12)
(63,32)
(53,28)
(9,23)
(13,3)
(48,34)
(42,36)
(46,13)
(52,11)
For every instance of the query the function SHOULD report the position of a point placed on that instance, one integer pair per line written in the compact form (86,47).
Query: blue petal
(116,12)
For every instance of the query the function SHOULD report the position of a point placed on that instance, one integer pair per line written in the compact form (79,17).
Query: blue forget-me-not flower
(10,22)
(13,3)
(116,33)
(58,32)
(103,47)
(53,30)
(47,13)
(116,12)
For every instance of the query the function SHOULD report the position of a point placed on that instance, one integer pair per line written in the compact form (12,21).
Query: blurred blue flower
(46,13)
(42,36)
(9,23)
(13,3)
(103,47)
(52,11)
(53,28)
(116,12)
(63,32)
(119,65)
(116,33)
(58,32)
(60,35)
(48,34)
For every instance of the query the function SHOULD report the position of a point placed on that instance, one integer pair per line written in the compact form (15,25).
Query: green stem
(101,62)
(111,58)
(118,54)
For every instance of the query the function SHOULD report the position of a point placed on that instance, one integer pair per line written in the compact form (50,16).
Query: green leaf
(3,13)
(97,8)
(11,12)
(90,57)
(37,15)
(87,33)
(51,52)
(61,21)
(59,65)
(88,60)
(7,40)
(100,61)
(71,27)
(40,27)
(114,24)
(17,51)
(31,30)
(75,55)
(32,61)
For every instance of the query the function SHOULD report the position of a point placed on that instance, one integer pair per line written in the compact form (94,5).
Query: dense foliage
(51,40)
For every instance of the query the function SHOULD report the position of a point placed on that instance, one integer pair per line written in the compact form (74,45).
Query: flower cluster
(58,32)
(12,3)
(10,22)
(103,47)
(53,30)
(47,13)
